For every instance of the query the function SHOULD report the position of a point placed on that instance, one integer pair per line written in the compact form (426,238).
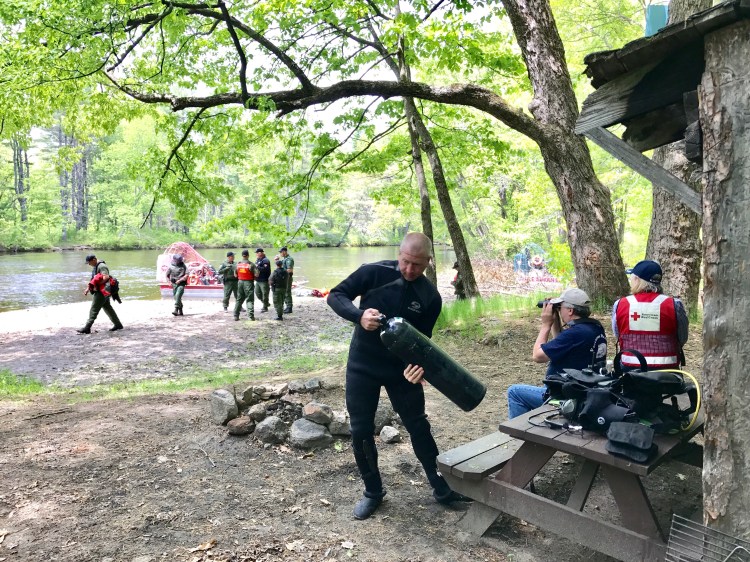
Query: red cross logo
(635,316)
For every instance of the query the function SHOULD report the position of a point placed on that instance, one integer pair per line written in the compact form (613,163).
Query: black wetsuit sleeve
(341,296)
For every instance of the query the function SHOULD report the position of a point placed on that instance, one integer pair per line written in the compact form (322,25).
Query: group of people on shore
(245,280)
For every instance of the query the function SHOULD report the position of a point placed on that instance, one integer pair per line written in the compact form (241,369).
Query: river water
(41,279)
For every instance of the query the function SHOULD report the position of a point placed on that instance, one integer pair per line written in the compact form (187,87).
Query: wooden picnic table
(495,470)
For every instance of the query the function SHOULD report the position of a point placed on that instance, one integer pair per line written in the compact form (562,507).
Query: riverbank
(152,478)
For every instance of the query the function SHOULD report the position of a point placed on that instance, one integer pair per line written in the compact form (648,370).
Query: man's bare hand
(414,374)
(86,292)
(370,319)
(548,313)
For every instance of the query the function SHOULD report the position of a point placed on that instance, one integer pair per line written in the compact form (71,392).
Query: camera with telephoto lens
(555,306)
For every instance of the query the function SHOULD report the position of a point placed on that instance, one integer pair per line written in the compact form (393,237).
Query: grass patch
(462,315)
(13,386)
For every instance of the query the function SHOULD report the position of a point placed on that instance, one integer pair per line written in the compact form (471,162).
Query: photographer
(575,347)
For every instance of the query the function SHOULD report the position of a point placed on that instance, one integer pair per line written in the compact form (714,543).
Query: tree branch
(138,39)
(238,46)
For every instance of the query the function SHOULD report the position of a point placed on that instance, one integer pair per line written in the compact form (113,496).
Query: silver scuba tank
(440,370)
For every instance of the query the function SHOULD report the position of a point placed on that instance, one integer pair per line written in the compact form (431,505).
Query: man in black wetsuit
(392,288)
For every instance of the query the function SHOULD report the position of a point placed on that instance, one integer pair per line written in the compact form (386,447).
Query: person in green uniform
(228,272)
(277,281)
(99,299)
(246,271)
(261,282)
(178,276)
(288,265)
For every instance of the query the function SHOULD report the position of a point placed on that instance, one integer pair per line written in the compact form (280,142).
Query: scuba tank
(412,346)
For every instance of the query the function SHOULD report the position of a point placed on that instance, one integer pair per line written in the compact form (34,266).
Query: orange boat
(203,281)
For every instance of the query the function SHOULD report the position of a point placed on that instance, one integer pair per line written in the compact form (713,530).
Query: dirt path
(154,479)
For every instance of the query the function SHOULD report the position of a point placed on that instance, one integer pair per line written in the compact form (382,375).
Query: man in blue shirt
(577,346)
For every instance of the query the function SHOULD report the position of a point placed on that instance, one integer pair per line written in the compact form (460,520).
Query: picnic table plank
(488,462)
(473,449)
(635,508)
(582,487)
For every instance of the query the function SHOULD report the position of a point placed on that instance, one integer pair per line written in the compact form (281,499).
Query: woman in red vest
(650,322)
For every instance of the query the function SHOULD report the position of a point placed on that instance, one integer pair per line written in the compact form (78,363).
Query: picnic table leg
(582,487)
(479,518)
(525,464)
(635,508)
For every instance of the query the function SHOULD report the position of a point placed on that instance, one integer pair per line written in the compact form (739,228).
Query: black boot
(442,492)
(278,318)
(288,310)
(116,327)
(86,329)
(176,311)
(180,312)
(366,507)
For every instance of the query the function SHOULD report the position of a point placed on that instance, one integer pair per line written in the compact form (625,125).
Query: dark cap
(245,253)
(258,250)
(90,257)
(283,249)
(279,263)
(647,270)
(230,254)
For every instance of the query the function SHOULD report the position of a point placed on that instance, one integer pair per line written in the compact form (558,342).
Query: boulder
(340,424)
(307,434)
(271,430)
(223,406)
(296,387)
(383,415)
(312,385)
(241,426)
(318,413)
(257,412)
(390,434)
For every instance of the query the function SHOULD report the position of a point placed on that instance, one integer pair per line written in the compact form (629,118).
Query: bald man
(391,288)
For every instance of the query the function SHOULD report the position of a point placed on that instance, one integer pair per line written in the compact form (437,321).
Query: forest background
(81,165)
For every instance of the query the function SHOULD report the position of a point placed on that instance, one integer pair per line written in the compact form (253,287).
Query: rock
(248,396)
(268,392)
(241,426)
(390,434)
(318,413)
(257,412)
(223,406)
(296,387)
(271,430)
(340,424)
(383,415)
(307,434)
(312,385)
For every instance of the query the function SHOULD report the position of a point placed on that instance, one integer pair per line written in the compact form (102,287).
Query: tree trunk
(585,201)
(673,239)
(724,110)
(64,188)
(674,236)
(20,177)
(425,207)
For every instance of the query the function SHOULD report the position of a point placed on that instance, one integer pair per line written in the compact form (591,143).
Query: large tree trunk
(724,107)
(585,201)
(673,239)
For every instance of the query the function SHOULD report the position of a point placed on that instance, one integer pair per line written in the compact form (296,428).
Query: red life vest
(245,271)
(647,322)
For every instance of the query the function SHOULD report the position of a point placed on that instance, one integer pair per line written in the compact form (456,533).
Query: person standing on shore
(245,286)
(390,288)
(288,265)
(228,272)
(178,277)
(100,296)
(278,284)
(261,283)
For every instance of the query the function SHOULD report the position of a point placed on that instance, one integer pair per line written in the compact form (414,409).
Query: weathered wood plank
(645,167)
(488,462)
(525,464)
(472,449)
(479,518)
(635,508)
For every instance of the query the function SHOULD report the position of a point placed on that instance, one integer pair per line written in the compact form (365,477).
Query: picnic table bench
(495,469)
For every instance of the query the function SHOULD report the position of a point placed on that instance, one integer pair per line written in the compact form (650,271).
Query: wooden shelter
(692,80)
(650,86)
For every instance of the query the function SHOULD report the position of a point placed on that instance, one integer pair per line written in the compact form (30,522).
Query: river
(41,279)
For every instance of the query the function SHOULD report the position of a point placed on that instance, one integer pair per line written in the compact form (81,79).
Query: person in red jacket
(654,324)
